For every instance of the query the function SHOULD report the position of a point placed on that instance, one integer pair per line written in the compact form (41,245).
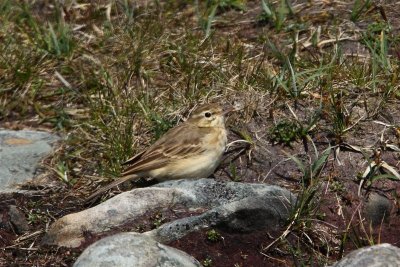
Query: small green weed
(305,212)
(53,38)
(213,236)
(207,262)
(285,132)
(34,218)
(233,172)
(62,172)
(276,15)
(296,77)
(377,41)
(359,7)
(213,7)
(340,119)
(337,187)
(288,131)
(159,124)
(377,169)
(312,172)
(158,219)
(58,41)
(227,4)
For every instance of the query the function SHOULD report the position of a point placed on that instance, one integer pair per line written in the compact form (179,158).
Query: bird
(191,150)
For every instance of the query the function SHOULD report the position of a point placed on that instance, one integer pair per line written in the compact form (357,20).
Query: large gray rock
(383,255)
(20,152)
(244,215)
(132,249)
(219,201)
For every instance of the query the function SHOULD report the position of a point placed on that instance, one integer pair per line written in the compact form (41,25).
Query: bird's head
(208,115)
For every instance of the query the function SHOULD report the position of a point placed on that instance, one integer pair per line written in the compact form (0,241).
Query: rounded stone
(20,153)
(383,255)
(133,249)
(377,208)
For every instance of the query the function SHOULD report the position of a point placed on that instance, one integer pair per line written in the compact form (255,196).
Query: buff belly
(200,167)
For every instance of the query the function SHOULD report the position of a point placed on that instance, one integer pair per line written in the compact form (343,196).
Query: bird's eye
(207,114)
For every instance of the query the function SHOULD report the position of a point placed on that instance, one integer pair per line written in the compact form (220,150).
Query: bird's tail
(113,184)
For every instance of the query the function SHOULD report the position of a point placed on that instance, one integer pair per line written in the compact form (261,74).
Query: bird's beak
(230,109)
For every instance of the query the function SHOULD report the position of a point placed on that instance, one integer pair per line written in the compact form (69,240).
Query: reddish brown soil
(232,249)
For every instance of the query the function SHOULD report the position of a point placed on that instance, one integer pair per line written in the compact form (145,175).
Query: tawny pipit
(193,149)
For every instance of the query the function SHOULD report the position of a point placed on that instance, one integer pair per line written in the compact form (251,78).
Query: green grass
(301,238)
(276,14)
(358,8)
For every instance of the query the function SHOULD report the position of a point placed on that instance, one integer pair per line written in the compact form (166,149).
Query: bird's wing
(133,159)
(176,144)
(180,142)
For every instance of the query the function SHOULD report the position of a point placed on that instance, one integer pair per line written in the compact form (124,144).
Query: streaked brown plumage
(192,149)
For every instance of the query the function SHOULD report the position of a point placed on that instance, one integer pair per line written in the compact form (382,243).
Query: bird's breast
(201,165)
(216,140)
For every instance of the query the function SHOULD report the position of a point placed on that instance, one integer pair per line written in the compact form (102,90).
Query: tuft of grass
(305,214)
(376,40)
(212,8)
(296,77)
(51,38)
(359,7)
(339,117)
(57,41)
(233,173)
(276,14)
